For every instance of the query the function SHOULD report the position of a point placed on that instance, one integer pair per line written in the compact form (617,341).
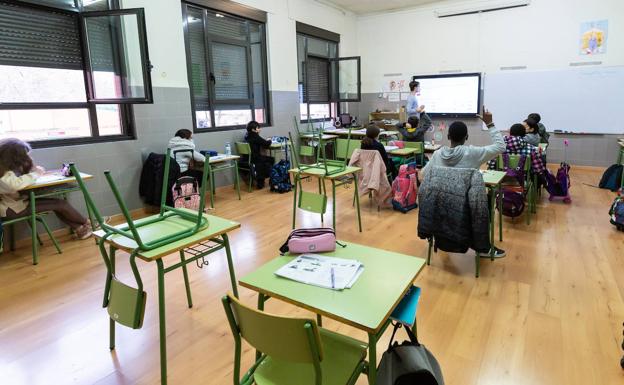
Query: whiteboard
(579,100)
(456,94)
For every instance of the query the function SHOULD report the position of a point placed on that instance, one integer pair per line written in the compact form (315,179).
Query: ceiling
(371,6)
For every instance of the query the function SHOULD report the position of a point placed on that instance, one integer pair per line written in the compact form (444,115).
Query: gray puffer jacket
(453,209)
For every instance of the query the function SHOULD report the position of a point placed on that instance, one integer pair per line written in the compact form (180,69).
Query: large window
(69,70)
(226,58)
(325,79)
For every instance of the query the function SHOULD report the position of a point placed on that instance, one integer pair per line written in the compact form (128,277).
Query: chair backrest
(187,150)
(243,148)
(282,338)
(420,146)
(345,147)
(306,150)
(513,162)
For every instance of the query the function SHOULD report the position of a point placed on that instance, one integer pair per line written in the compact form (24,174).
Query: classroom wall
(156,123)
(544,35)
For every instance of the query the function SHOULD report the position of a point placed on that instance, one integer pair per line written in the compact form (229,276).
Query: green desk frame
(223,167)
(386,273)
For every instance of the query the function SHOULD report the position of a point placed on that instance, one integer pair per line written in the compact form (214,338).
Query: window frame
(128,130)
(209,39)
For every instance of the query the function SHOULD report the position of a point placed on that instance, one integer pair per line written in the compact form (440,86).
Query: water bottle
(228,149)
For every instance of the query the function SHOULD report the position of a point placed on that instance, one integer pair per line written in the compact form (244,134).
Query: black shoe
(498,253)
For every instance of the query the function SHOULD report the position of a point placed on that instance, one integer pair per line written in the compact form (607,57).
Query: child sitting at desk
(262,163)
(183,142)
(532,131)
(369,142)
(18,171)
(414,129)
(517,145)
(544,135)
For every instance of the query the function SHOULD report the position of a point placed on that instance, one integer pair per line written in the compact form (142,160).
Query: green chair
(39,217)
(244,150)
(420,146)
(293,350)
(345,148)
(529,185)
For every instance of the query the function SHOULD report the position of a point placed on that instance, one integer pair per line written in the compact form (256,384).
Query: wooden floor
(551,312)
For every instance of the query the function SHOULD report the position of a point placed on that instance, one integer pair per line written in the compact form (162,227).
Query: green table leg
(500,215)
(261,308)
(33,227)
(296,186)
(210,186)
(492,218)
(372,359)
(320,180)
(111,322)
(162,322)
(228,253)
(236,179)
(333,182)
(357,202)
(186,280)
(54,241)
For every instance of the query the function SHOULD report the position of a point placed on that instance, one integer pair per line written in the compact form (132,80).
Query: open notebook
(328,272)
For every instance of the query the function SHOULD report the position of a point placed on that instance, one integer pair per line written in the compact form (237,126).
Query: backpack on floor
(617,212)
(405,188)
(279,178)
(513,202)
(186,193)
(559,186)
(612,177)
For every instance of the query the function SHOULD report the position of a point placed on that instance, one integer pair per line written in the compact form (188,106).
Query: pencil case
(315,240)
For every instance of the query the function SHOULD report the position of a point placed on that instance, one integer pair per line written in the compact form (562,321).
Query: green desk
(220,162)
(216,231)
(336,180)
(405,153)
(325,138)
(58,185)
(493,181)
(366,306)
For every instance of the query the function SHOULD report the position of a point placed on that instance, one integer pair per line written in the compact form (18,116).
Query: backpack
(409,363)
(559,186)
(405,188)
(612,177)
(517,172)
(617,212)
(279,178)
(513,202)
(186,193)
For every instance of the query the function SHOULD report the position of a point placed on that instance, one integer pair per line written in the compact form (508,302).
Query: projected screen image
(449,94)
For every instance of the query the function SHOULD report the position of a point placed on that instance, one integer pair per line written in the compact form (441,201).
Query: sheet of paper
(314,269)
(51,177)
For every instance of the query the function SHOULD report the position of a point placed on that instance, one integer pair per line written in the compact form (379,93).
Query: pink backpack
(186,193)
(398,143)
(405,188)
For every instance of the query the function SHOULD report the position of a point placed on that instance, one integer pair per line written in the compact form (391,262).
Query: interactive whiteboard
(455,95)
(579,100)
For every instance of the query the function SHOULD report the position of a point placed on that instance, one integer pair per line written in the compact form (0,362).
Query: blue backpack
(617,213)
(279,179)
(612,177)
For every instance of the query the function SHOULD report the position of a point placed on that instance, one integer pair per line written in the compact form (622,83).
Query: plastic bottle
(228,149)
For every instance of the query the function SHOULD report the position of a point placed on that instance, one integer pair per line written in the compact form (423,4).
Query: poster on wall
(594,37)
(395,82)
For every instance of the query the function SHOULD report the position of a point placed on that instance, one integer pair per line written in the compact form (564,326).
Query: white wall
(544,35)
(166,38)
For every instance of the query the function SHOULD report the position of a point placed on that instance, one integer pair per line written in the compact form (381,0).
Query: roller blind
(317,80)
(36,38)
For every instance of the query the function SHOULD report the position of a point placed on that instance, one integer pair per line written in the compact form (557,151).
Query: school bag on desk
(186,193)
(405,188)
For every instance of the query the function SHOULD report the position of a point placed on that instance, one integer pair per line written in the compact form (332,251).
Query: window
(68,71)
(226,58)
(325,79)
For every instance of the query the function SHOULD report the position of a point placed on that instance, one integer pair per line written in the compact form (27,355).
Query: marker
(333,279)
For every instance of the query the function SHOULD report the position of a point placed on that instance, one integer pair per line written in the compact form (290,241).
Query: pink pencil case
(314,240)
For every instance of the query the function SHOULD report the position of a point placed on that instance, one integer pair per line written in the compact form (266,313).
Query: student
(18,171)
(532,131)
(261,162)
(183,140)
(414,129)
(467,156)
(544,135)
(412,108)
(516,144)
(369,142)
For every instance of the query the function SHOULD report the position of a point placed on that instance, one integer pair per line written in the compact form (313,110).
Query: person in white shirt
(412,107)
(17,171)
(183,142)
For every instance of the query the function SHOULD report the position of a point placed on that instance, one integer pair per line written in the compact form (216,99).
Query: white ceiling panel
(361,7)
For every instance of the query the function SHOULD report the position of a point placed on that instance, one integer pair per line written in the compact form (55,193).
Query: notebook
(405,312)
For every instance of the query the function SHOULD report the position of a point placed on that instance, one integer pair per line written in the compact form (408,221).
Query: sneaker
(498,253)
(84,232)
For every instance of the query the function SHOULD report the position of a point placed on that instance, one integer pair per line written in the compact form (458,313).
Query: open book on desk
(327,272)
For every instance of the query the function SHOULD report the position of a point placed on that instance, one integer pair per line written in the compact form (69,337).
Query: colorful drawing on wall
(394,83)
(594,37)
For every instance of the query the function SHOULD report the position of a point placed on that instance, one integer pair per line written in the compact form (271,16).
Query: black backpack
(612,177)
(279,179)
(408,363)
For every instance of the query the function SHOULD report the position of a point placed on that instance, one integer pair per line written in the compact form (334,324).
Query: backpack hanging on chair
(186,193)
(405,188)
(513,198)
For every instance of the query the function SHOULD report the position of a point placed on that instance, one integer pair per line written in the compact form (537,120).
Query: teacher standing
(412,107)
